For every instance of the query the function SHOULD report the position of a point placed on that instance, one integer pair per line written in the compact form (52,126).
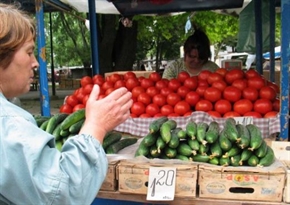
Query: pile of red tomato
(223,93)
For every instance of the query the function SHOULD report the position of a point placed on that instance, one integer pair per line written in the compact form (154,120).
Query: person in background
(32,170)
(196,57)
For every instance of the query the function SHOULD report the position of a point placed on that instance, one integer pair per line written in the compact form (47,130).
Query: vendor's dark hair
(198,40)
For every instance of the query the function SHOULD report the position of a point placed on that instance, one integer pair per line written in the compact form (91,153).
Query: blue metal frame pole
(272,39)
(285,54)
(44,91)
(94,37)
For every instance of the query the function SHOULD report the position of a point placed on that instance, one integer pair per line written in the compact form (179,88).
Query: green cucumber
(150,139)
(191,130)
(160,144)
(170,152)
(44,125)
(214,160)
(142,150)
(154,151)
(200,158)
(184,149)
(110,138)
(155,125)
(224,161)
(200,133)
(216,150)
(231,131)
(41,120)
(182,157)
(244,135)
(194,144)
(224,142)
(117,146)
(235,160)
(56,132)
(54,121)
(212,133)
(174,141)
(245,155)
(166,128)
(75,128)
(232,152)
(262,150)
(73,118)
(253,160)
(203,149)
(256,136)
(268,159)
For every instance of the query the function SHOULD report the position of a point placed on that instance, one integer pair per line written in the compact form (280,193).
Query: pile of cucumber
(63,125)
(234,145)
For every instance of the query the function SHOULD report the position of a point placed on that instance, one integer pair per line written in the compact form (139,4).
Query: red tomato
(276,105)
(166,91)
(86,80)
(152,91)
(146,83)
(251,73)
(240,84)
(173,115)
(271,114)
(152,109)
(274,86)
(107,84)
(144,98)
(182,76)
(202,83)
(109,90)
(101,96)
(159,100)
(192,98)
(128,75)
(263,106)
(80,95)
(115,77)
(220,84)
(267,92)
(155,76)
(85,99)
(140,78)
(203,105)
(161,84)
(131,83)
(188,113)
(65,108)
(222,106)
(233,75)
(181,108)
(191,83)
(243,106)
(212,94)
(136,91)
(232,94)
(98,79)
(251,94)
(159,115)
(174,84)
(166,109)
(78,107)
(256,82)
(213,113)
(231,114)
(133,115)
(119,84)
(72,100)
(137,108)
(200,90)
(88,88)
(144,115)
(173,98)
(203,75)
(221,71)
(182,91)
(253,114)
(213,77)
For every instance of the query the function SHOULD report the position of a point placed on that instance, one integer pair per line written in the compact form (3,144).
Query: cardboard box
(110,183)
(266,74)
(133,177)
(282,152)
(138,73)
(241,183)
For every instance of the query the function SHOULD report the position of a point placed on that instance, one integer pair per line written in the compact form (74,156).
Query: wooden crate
(110,183)
(242,183)
(282,152)
(133,177)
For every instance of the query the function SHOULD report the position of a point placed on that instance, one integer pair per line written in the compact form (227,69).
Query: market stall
(199,183)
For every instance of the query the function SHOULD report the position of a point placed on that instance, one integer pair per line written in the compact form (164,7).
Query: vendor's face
(17,77)
(192,60)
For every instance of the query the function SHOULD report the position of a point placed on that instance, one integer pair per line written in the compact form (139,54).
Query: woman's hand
(107,113)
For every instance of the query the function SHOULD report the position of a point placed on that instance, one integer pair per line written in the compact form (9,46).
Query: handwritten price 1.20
(161,183)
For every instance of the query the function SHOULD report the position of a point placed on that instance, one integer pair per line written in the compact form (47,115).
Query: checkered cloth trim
(140,126)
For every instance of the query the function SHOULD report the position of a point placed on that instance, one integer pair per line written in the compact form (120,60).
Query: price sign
(244,120)
(161,184)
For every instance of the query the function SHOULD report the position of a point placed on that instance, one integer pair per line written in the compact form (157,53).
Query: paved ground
(31,101)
